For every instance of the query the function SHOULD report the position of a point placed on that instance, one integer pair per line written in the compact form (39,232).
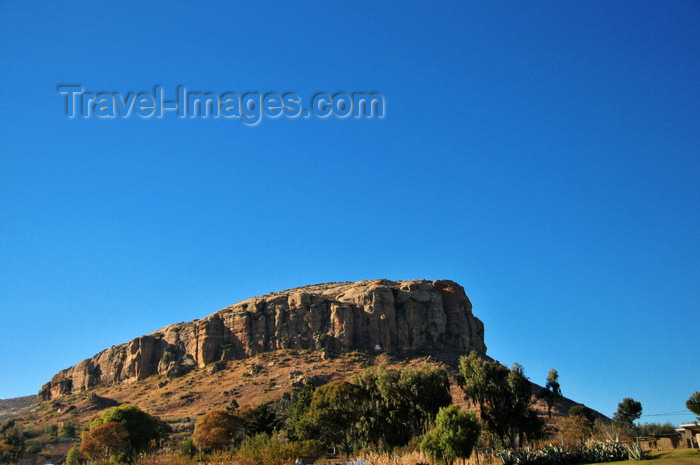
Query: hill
(17,406)
(405,318)
(258,379)
(257,350)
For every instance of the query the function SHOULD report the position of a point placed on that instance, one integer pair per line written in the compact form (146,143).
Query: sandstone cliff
(400,317)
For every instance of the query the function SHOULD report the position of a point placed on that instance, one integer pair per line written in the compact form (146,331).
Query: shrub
(263,449)
(143,430)
(73,456)
(188,448)
(107,440)
(453,437)
(215,430)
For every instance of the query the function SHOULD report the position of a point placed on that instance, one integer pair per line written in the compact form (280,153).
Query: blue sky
(545,155)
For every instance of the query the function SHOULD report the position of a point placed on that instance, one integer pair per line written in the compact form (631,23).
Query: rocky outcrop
(399,317)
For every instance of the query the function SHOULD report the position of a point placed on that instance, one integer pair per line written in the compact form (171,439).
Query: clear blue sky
(545,155)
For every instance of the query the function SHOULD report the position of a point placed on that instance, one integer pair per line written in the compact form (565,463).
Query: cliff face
(401,317)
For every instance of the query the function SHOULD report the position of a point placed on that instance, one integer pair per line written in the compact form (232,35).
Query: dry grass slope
(264,377)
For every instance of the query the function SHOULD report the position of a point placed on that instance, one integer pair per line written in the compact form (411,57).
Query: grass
(668,457)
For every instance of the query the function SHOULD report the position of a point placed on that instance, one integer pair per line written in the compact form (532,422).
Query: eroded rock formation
(400,317)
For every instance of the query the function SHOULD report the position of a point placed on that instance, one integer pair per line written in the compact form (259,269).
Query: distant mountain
(15,407)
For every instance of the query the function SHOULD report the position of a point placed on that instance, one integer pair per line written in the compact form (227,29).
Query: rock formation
(398,317)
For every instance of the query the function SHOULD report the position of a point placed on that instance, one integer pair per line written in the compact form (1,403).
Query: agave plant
(635,451)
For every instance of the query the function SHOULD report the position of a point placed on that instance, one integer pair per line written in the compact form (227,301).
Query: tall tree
(297,426)
(693,404)
(551,391)
(504,398)
(402,403)
(627,411)
(553,382)
(334,413)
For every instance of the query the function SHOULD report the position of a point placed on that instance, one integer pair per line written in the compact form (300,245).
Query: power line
(665,414)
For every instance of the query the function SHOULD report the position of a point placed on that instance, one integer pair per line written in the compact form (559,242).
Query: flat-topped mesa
(398,317)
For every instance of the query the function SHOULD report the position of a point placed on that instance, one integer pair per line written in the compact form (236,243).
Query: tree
(402,403)
(627,411)
(553,382)
(551,391)
(12,445)
(68,430)
(334,413)
(215,430)
(453,437)
(657,429)
(107,440)
(297,423)
(504,398)
(144,430)
(578,425)
(693,404)
(261,419)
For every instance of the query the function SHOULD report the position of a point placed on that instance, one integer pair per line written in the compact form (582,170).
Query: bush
(215,430)
(263,449)
(188,448)
(453,437)
(73,456)
(143,430)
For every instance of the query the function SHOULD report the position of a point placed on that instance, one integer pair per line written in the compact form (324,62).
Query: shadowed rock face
(399,317)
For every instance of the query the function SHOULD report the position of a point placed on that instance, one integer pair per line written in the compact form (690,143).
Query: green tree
(68,430)
(144,430)
(453,437)
(12,444)
(215,430)
(627,411)
(504,398)
(402,403)
(334,413)
(261,419)
(553,382)
(298,427)
(657,429)
(693,404)
(551,391)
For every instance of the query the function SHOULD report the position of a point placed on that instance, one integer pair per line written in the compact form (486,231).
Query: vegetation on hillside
(381,410)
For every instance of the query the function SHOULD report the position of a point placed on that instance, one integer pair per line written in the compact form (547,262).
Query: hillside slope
(17,406)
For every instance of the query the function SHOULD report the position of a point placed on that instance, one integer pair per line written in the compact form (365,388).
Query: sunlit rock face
(399,317)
